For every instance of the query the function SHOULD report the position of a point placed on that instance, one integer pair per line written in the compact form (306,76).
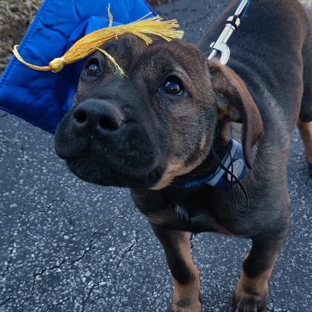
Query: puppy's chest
(195,220)
(200,212)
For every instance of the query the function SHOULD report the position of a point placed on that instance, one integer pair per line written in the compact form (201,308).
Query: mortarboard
(42,98)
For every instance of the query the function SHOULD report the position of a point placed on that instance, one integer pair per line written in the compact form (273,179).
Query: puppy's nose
(97,115)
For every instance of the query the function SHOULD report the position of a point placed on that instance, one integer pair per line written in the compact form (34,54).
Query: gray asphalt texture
(69,246)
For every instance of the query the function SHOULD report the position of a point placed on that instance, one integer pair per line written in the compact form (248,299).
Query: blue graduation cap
(42,98)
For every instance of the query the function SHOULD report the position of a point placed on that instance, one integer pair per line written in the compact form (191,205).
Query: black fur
(131,132)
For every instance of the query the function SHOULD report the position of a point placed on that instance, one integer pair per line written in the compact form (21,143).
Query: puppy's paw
(248,301)
(185,305)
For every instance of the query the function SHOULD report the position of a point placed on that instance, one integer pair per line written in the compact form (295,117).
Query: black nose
(97,116)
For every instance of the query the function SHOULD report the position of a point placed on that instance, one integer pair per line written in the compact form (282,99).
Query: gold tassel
(113,64)
(93,41)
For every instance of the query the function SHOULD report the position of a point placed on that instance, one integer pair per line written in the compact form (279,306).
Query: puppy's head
(156,122)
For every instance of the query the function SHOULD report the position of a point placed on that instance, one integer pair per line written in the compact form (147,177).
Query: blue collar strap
(219,178)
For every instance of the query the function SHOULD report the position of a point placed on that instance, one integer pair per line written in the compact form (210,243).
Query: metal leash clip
(232,23)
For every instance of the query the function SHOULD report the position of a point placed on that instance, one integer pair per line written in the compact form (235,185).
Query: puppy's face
(146,128)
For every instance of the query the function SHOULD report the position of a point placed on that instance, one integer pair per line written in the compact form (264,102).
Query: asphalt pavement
(69,246)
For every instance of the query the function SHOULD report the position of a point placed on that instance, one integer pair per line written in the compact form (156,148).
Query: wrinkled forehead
(130,52)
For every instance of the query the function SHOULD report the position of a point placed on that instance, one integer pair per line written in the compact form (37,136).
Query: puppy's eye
(173,85)
(93,69)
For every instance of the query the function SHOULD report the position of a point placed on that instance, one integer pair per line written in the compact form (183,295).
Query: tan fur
(191,290)
(174,169)
(305,129)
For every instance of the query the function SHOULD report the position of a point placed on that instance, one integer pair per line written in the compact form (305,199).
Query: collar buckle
(234,162)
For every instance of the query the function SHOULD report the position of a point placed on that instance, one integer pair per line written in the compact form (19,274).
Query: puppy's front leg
(305,129)
(252,290)
(185,276)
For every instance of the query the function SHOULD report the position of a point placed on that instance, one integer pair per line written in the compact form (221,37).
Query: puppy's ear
(235,101)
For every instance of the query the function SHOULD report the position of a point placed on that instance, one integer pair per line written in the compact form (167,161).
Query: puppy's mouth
(106,173)
(108,163)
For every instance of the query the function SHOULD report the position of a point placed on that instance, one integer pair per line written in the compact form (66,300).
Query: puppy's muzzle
(105,144)
(97,118)
(88,129)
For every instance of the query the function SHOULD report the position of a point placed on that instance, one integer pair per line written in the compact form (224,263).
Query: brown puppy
(166,131)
